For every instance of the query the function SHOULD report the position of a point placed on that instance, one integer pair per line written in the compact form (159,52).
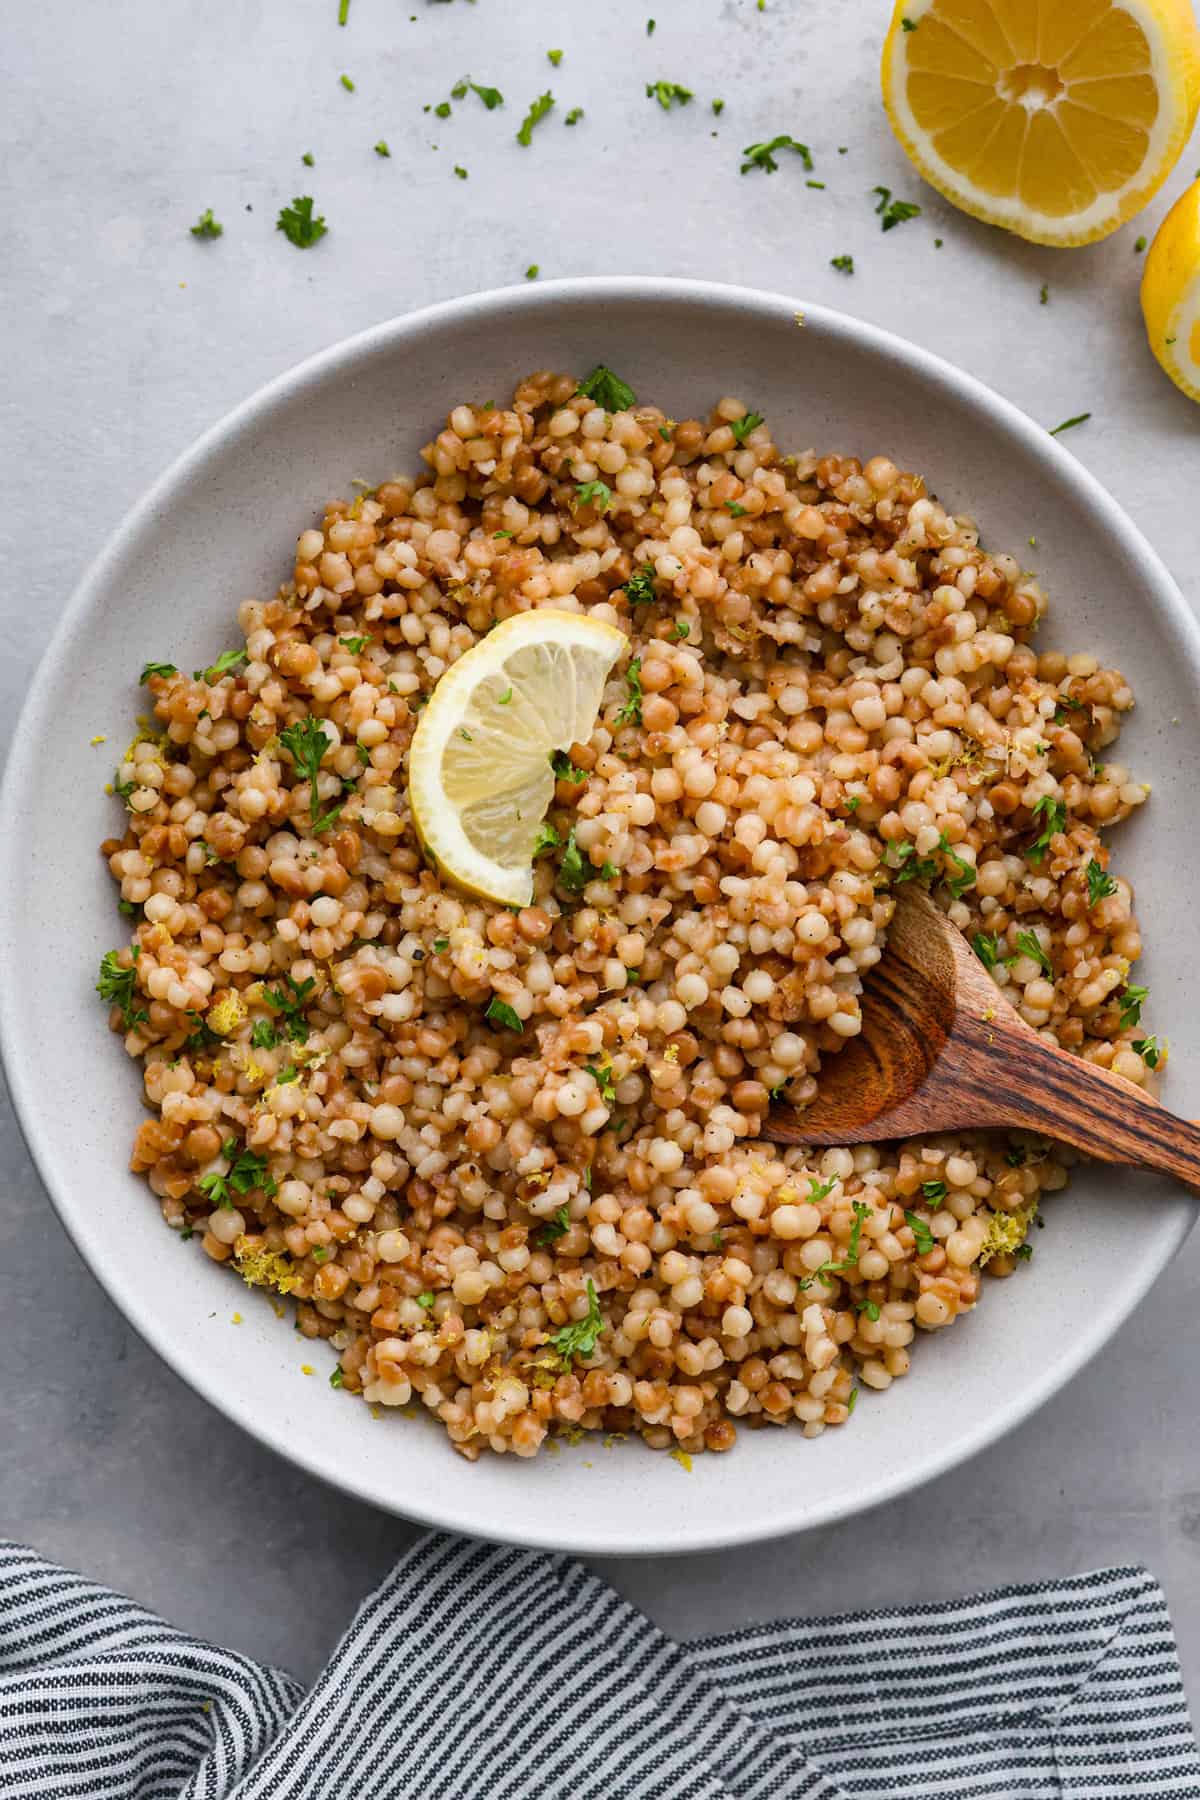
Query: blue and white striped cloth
(477,1672)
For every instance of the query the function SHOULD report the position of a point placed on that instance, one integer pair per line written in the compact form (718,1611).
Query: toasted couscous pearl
(854,697)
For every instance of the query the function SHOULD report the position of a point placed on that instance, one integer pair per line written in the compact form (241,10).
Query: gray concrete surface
(123,337)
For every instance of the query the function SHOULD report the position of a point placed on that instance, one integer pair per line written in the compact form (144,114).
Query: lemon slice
(1171,293)
(479,775)
(1057,119)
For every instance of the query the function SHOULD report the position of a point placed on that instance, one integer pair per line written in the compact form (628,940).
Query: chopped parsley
(440,944)
(580,1337)
(537,112)
(844,264)
(594,493)
(870,1308)
(911,867)
(442,110)
(355,645)
(908,24)
(574,116)
(206,226)
(893,212)
(631,712)
(264,1036)
(1149,1051)
(425,1300)
(762,156)
(499,1012)
(602,1076)
(668,93)
(346,83)
(607,390)
(1053,814)
(986,946)
(149,669)
(505,699)
(308,743)
(679,630)
(119,986)
(1100,883)
(290,1005)
(287,1075)
(1139,244)
(820,1190)
(1069,424)
(736,511)
(532,272)
(718,107)
(650,24)
(921,1233)
(556,1226)
(460,172)
(1044,295)
(298,224)
(565,769)
(640,589)
(547,838)
(1131,1001)
(381,148)
(337,1379)
(934,1191)
(224,665)
(852,1402)
(308,159)
(573,872)
(247,1170)
(1029,944)
(491,97)
(741,428)
(554,56)
(343,11)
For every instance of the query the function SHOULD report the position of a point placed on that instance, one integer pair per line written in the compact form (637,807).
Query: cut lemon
(479,775)
(1057,119)
(1171,293)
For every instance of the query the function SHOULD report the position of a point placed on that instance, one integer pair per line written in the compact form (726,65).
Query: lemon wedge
(1057,119)
(1171,293)
(479,775)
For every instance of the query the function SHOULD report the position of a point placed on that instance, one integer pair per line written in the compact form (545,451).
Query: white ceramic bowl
(221,525)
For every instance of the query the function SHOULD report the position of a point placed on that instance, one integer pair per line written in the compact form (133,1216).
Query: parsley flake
(762,156)
(594,493)
(640,589)
(206,226)
(119,986)
(537,112)
(893,212)
(381,148)
(1053,814)
(574,116)
(499,1012)
(668,93)
(149,669)
(1149,1051)
(1100,883)
(581,1336)
(556,1226)
(573,872)
(741,428)
(844,264)
(921,1233)
(298,224)
(631,712)
(1131,1001)
(1069,424)
(224,665)
(1029,944)
(607,390)
(307,742)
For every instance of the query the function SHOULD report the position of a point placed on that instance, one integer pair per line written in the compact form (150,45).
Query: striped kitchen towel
(477,1672)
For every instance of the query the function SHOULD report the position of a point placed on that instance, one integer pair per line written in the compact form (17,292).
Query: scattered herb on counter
(298,224)
(650,24)
(843,264)
(531,274)
(308,159)
(554,56)
(1070,424)
(381,148)
(491,96)
(718,107)
(460,172)
(762,156)
(1044,295)
(893,212)
(574,116)
(1139,244)
(206,226)
(537,112)
(343,11)
(347,83)
(668,93)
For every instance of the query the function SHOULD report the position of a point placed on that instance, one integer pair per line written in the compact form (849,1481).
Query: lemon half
(1057,119)
(1171,293)
(479,775)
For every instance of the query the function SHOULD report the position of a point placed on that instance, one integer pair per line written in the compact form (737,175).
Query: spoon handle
(1048,1090)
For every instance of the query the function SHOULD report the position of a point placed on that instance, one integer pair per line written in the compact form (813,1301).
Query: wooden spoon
(941,1049)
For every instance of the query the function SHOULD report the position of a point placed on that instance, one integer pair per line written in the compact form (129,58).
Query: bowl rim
(1110,1310)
